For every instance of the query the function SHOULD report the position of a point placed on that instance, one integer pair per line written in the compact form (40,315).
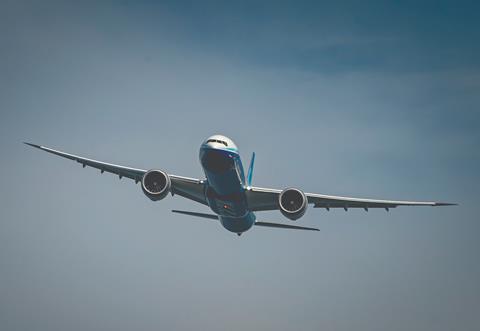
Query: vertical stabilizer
(250,170)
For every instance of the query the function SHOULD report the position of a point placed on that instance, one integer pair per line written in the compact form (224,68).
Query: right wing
(190,188)
(260,199)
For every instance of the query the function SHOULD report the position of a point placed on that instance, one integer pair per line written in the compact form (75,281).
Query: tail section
(250,170)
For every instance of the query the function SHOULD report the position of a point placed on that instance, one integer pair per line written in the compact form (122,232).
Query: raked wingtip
(33,145)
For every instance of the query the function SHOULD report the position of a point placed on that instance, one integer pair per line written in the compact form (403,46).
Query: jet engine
(156,184)
(293,203)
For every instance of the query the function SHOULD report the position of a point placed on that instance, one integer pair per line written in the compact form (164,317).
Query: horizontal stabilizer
(266,224)
(285,226)
(192,213)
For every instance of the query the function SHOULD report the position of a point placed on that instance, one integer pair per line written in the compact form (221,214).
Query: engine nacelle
(156,184)
(293,203)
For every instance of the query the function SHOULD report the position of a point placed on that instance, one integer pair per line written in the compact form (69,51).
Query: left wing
(189,188)
(260,199)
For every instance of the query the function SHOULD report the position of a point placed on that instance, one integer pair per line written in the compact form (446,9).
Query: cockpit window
(217,141)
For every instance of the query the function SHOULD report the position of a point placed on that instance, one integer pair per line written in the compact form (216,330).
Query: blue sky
(371,99)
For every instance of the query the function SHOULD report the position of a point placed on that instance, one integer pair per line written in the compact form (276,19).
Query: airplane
(229,193)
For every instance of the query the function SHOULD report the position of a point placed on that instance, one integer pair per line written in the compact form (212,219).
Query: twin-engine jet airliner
(229,193)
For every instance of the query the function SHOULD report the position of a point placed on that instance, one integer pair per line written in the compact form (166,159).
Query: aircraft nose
(215,143)
(219,142)
(210,145)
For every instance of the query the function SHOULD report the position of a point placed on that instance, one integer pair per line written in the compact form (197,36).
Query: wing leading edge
(260,199)
(186,187)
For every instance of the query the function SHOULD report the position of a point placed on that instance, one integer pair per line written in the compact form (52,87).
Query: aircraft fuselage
(225,189)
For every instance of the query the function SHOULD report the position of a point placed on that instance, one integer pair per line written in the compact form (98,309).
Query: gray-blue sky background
(370,99)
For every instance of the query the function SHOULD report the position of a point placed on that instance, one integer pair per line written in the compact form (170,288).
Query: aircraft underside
(229,193)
